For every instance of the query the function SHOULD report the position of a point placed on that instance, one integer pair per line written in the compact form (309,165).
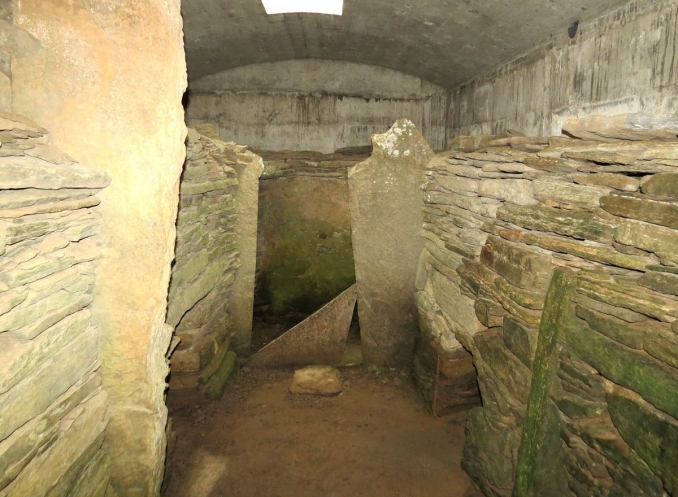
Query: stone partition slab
(211,293)
(386,216)
(318,339)
(108,83)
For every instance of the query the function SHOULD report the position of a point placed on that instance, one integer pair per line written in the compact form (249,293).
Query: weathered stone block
(456,305)
(37,392)
(214,387)
(19,358)
(628,294)
(385,187)
(631,127)
(610,180)
(490,455)
(567,193)
(242,291)
(577,224)
(651,433)
(624,366)
(317,380)
(30,172)
(663,282)
(515,191)
(84,429)
(662,185)
(651,237)
(520,339)
(660,342)
(642,208)
(518,264)
(22,446)
(628,334)
(585,249)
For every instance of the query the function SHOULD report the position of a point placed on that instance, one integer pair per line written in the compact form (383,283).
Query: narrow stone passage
(376,438)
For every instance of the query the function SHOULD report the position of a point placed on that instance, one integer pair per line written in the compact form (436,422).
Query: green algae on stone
(538,461)
(651,434)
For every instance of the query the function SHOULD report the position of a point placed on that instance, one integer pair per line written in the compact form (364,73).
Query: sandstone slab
(662,185)
(577,224)
(642,208)
(317,380)
(515,191)
(319,339)
(385,188)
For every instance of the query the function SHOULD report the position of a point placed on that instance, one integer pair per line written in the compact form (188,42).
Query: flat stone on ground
(317,380)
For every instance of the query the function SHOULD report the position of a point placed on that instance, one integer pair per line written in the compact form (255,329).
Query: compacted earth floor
(376,438)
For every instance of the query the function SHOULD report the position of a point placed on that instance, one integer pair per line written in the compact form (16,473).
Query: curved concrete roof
(443,41)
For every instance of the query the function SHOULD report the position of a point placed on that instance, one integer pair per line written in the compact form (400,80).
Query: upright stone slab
(386,204)
(242,291)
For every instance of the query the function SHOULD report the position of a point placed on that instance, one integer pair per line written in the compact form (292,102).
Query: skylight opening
(333,7)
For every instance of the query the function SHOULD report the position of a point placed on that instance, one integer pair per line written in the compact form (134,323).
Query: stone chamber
(481,197)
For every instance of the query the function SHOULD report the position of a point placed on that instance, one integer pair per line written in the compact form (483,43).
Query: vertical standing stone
(124,114)
(386,216)
(242,291)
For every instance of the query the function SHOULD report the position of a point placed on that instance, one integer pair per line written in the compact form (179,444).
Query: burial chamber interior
(545,267)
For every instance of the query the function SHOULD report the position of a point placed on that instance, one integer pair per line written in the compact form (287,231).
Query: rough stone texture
(385,188)
(242,291)
(317,380)
(54,411)
(443,370)
(318,339)
(662,185)
(211,294)
(563,384)
(117,70)
(304,253)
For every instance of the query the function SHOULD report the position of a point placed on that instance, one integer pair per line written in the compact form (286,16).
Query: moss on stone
(312,264)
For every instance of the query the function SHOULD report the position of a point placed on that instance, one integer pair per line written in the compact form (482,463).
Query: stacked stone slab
(53,411)
(286,163)
(502,213)
(207,263)
(304,253)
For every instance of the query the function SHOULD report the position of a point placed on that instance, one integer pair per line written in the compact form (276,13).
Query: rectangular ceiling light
(334,7)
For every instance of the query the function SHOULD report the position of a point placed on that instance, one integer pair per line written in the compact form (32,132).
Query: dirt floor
(376,438)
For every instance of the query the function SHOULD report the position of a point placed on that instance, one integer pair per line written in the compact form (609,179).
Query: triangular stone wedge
(319,339)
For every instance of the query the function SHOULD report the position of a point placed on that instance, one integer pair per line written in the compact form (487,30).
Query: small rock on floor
(317,380)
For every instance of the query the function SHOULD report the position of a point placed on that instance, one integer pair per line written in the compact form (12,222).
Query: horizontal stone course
(53,409)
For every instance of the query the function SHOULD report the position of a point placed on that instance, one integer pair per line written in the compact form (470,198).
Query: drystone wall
(205,295)
(53,411)
(304,253)
(553,262)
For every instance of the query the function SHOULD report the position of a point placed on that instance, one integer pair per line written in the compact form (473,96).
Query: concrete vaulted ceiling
(443,41)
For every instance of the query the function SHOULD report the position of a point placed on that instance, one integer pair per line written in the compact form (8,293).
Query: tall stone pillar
(108,83)
(242,291)
(386,216)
